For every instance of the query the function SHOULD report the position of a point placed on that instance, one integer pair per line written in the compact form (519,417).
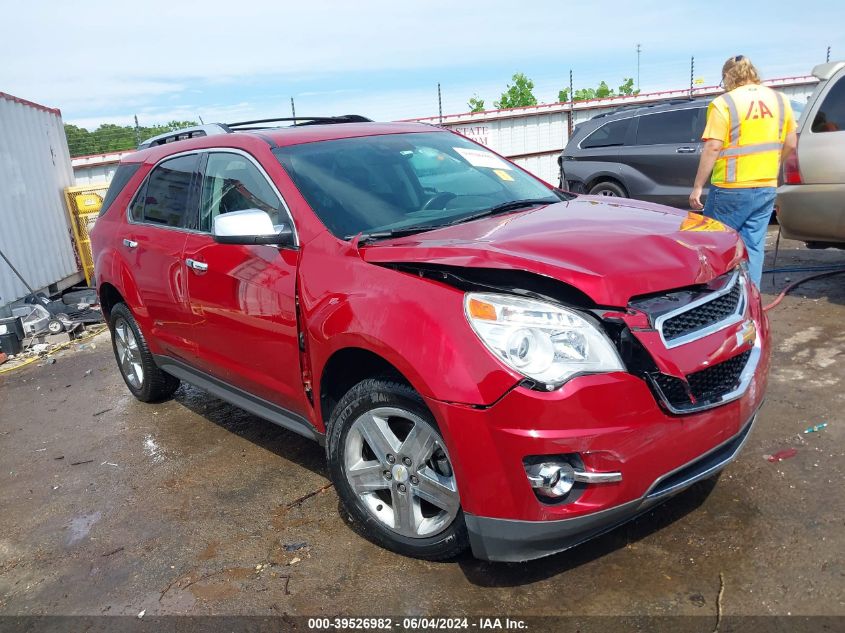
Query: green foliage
(114,138)
(517,95)
(601,92)
(627,87)
(475,104)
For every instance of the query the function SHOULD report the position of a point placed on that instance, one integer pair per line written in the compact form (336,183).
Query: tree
(519,94)
(601,92)
(475,104)
(627,87)
(114,138)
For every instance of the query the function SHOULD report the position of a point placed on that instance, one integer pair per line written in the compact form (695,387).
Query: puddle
(80,526)
(152,449)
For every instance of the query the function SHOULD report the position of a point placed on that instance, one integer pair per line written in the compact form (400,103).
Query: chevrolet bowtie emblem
(747,334)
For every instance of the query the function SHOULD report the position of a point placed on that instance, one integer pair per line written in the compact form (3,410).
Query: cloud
(108,59)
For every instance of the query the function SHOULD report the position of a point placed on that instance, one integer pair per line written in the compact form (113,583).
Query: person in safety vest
(749,130)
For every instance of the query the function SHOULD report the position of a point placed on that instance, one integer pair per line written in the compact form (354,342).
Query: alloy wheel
(128,353)
(398,467)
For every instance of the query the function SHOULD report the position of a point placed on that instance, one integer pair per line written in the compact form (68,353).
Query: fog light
(551,479)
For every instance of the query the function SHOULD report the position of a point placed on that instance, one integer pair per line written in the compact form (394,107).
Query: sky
(106,62)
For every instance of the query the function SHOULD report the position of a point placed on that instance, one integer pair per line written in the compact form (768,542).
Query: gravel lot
(111,506)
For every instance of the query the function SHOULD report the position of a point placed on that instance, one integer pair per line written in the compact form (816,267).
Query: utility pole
(571,108)
(691,74)
(293,110)
(828,54)
(439,103)
(137,132)
(638,66)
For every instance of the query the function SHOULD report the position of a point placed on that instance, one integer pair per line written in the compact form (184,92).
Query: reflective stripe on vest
(734,152)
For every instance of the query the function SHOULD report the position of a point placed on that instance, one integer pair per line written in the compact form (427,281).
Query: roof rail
(299,120)
(640,106)
(209,129)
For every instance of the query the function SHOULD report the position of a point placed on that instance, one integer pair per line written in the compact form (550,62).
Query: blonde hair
(739,71)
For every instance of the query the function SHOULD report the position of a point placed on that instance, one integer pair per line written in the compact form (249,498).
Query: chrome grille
(704,315)
(703,388)
(701,313)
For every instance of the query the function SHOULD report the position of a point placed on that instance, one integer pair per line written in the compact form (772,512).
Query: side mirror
(250,226)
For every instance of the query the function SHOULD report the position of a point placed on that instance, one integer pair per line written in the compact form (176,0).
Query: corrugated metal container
(35,169)
(534,136)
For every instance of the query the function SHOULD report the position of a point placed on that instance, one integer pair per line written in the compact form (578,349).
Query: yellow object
(698,222)
(83,205)
(753,122)
(501,173)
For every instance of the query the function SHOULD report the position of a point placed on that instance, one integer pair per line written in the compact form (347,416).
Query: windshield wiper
(504,207)
(400,232)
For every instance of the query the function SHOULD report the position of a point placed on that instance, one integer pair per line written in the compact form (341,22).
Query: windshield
(392,182)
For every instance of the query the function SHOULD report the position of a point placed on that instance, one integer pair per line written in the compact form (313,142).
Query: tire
(608,188)
(372,425)
(145,380)
(55,326)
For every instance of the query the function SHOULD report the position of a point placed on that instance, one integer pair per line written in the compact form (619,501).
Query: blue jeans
(748,212)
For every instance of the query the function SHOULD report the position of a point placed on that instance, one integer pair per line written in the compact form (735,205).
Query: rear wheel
(393,473)
(608,188)
(145,380)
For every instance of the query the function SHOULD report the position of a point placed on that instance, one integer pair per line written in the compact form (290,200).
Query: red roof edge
(32,104)
(697,91)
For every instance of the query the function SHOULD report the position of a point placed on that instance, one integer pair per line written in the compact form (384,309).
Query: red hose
(797,283)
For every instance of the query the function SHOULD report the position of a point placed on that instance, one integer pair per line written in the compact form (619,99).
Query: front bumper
(511,540)
(614,424)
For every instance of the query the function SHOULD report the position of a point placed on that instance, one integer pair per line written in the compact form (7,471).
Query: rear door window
(671,128)
(608,135)
(831,114)
(169,198)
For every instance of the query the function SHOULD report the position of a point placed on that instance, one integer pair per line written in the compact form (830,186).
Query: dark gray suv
(647,152)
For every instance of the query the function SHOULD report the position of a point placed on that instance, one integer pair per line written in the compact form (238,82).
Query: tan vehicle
(811,202)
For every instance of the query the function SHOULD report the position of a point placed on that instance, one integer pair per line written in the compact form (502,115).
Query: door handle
(130,243)
(685,150)
(198,266)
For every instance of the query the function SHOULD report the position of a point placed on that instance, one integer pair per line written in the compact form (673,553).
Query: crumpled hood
(611,251)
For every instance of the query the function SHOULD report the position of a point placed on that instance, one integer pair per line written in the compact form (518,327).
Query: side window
(121,177)
(831,114)
(608,135)
(234,183)
(168,193)
(664,128)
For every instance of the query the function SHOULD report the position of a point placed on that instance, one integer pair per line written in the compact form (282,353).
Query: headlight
(542,341)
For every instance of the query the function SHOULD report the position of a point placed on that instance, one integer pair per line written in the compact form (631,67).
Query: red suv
(489,361)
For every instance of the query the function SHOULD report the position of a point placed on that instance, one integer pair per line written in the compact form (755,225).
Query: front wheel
(610,189)
(145,380)
(393,473)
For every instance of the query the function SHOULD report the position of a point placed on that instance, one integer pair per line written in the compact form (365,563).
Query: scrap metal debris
(816,428)
(786,453)
(314,493)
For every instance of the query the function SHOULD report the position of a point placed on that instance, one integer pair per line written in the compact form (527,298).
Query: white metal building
(35,168)
(534,136)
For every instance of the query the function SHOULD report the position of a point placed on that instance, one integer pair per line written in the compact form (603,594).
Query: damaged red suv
(490,362)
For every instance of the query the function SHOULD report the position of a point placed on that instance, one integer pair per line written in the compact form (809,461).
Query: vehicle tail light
(791,170)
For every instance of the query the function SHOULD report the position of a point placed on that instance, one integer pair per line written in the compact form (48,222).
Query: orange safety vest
(751,153)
